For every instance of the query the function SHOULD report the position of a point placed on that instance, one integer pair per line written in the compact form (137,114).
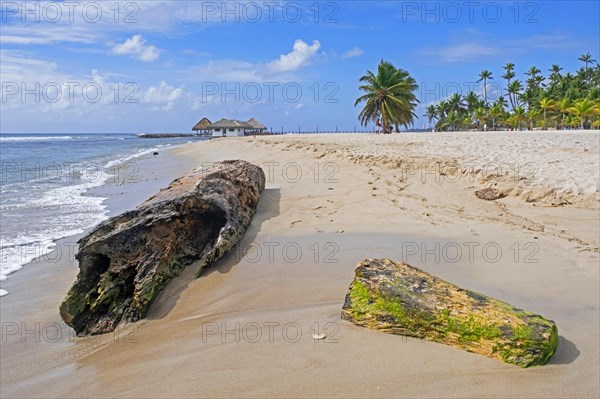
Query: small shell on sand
(318,336)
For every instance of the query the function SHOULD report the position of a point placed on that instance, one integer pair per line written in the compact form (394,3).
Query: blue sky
(159,66)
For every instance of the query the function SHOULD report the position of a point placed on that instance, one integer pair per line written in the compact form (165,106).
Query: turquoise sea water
(44,180)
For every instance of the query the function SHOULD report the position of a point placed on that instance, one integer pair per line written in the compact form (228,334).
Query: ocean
(44,184)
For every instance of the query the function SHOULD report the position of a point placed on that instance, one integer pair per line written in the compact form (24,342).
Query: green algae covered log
(400,299)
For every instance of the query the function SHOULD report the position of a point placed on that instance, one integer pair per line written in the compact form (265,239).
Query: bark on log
(127,260)
(400,299)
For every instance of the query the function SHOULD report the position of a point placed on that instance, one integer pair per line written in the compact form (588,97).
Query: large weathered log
(127,260)
(400,299)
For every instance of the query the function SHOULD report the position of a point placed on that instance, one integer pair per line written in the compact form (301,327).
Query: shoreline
(119,172)
(352,209)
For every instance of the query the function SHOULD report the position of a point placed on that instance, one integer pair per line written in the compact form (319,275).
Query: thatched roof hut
(202,125)
(230,124)
(256,125)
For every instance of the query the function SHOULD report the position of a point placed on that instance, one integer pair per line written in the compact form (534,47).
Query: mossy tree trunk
(400,299)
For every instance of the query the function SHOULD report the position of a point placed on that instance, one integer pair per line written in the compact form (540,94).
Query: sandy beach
(245,328)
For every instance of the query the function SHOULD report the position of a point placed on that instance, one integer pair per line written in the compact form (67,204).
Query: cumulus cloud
(136,47)
(164,96)
(301,55)
(355,52)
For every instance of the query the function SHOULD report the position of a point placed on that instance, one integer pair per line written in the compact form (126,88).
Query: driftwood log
(400,299)
(127,260)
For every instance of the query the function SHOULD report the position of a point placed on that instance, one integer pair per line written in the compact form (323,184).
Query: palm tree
(472,101)
(519,115)
(555,72)
(563,107)
(532,115)
(456,103)
(480,116)
(431,113)
(453,121)
(512,121)
(509,67)
(501,101)
(508,75)
(514,90)
(582,109)
(494,113)
(587,58)
(390,96)
(485,75)
(442,109)
(545,105)
(533,72)
(529,96)
(533,83)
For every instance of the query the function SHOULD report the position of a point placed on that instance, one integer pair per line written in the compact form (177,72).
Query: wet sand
(245,328)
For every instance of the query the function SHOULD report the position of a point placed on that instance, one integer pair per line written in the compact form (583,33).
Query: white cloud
(280,69)
(136,46)
(301,55)
(22,35)
(486,46)
(465,52)
(232,70)
(163,96)
(355,52)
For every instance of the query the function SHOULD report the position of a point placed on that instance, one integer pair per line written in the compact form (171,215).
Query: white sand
(361,204)
(538,164)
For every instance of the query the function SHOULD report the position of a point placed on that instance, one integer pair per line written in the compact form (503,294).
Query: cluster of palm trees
(557,101)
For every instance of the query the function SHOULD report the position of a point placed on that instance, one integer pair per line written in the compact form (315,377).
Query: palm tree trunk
(485,91)
(544,118)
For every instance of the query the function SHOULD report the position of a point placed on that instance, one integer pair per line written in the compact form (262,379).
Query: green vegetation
(557,101)
(390,97)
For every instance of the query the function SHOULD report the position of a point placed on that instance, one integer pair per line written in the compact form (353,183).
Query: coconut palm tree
(431,113)
(442,109)
(501,101)
(480,115)
(582,109)
(512,121)
(532,116)
(514,90)
(453,121)
(485,75)
(587,58)
(520,115)
(555,73)
(390,97)
(563,107)
(493,113)
(534,84)
(529,97)
(456,103)
(472,101)
(545,105)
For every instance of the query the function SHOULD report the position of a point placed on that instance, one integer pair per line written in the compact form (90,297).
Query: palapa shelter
(235,128)
(202,126)
(257,127)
